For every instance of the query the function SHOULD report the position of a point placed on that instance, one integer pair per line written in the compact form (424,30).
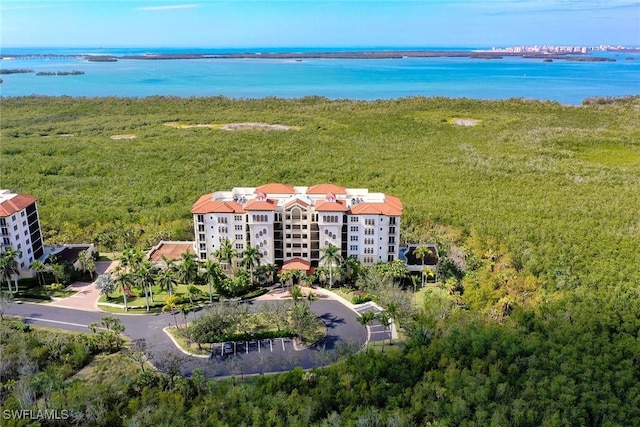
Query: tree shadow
(331,320)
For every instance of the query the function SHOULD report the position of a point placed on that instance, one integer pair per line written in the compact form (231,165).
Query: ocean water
(365,79)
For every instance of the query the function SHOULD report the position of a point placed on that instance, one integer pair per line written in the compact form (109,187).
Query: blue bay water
(365,79)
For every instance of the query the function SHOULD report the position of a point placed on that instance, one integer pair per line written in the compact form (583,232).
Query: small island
(60,73)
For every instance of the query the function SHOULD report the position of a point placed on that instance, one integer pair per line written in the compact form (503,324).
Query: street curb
(200,356)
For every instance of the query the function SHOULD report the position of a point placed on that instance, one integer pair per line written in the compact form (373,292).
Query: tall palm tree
(214,276)
(39,267)
(226,253)
(366,319)
(166,279)
(384,318)
(188,269)
(422,252)
(251,258)
(331,255)
(144,278)
(9,266)
(124,280)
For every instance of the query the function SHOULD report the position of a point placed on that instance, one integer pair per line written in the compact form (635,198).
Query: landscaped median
(233,322)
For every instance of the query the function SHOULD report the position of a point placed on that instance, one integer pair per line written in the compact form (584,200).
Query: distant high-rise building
(20,227)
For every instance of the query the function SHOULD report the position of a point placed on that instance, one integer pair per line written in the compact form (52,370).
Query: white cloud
(168,7)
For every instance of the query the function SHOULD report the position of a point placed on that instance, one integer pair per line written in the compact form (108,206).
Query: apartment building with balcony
(290,224)
(20,227)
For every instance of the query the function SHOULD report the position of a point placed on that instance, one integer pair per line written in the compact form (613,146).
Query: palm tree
(392,311)
(384,318)
(366,319)
(39,267)
(296,294)
(123,279)
(226,253)
(185,309)
(422,252)
(144,277)
(166,279)
(9,266)
(251,258)
(171,305)
(188,269)
(214,276)
(331,255)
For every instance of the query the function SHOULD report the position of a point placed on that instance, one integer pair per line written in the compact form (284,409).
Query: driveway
(344,334)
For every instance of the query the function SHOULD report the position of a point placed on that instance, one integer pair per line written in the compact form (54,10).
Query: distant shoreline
(373,54)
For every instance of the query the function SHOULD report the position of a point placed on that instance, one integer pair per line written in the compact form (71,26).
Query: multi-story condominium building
(294,224)
(20,227)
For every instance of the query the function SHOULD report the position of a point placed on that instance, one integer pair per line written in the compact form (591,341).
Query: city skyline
(216,24)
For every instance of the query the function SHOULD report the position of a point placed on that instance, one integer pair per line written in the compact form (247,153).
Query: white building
(294,224)
(20,227)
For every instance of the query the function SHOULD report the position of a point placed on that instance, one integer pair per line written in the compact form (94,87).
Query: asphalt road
(344,334)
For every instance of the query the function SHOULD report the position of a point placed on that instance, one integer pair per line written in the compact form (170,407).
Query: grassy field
(556,186)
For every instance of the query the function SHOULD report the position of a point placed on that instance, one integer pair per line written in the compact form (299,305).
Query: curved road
(344,333)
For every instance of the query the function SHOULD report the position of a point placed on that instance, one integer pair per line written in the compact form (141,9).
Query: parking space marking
(282,339)
(271,343)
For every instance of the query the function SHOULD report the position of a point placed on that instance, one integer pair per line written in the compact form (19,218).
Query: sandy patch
(118,137)
(464,122)
(177,125)
(254,126)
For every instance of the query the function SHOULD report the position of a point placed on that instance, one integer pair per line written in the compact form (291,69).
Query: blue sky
(239,23)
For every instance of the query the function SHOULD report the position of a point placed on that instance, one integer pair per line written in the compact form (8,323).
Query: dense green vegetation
(535,207)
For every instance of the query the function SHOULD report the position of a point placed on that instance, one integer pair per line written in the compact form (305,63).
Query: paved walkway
(87,295)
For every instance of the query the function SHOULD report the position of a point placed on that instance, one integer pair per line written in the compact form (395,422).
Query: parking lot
(238,348)
(377,331)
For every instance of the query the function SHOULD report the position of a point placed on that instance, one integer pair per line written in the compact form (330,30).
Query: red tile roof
(297,201)
(16,204)
(391,206)
(171,250)
(296,264)
(326,188)
(276,188)
(337,206)
(256,205)
(205,204)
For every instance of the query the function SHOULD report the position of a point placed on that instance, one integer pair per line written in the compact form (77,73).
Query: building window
(200,218)
(238,227)
(24,223)
(237,217)
(354,219)
(203,255)
(392,230)
(26,232)
(354,238)
(392,221)
(369,221)
(353,248)
(6,241)
(238,236)
(354,228)
(392,248)
(390,258)
(392,239)
(239,246)
(201,237)
(15,228)
(13,218)
(203,247)
(200,227)
(222,220)
(22,213)
(223,230)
